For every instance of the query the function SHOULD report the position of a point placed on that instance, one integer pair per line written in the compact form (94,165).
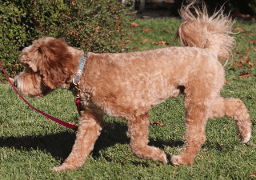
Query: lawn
(31,145)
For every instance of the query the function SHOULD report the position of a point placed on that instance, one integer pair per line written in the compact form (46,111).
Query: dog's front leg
(138,130)
(89,129)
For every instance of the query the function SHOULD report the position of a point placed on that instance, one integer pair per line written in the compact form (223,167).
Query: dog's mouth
(31,85)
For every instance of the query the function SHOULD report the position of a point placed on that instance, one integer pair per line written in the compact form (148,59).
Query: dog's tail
(204,31)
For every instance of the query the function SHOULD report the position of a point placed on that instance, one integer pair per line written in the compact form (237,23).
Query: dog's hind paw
(178,160)
(163,158)
(246,138)
(64,166)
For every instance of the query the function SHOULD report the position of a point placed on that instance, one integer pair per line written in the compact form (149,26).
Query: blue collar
(80,68)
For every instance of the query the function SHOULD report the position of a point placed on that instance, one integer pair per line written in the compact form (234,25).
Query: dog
(127,85)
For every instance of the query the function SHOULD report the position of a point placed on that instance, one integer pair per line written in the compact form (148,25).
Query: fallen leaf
(163,43)
(245,61)
(159,123)
(147,30)
(241,16)
(253,175)
(238,65)
(245,75)
(167,31)
(251,64)
(226,82)
(5,127)
(133,24)
(240,29)
(135,48)
(71,122)
(160,43)
(237,29)
(143,42)
(238,61)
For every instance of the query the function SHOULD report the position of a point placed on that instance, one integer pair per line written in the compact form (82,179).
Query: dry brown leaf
(245,75)
(251,64)
(143,42)
(253,175)
(163,43)
(226,82)
(135,48)
(159,123)
(238,61)
(237,29)
(147,30)
(71,122)
(240,29)
(133,24)
(166,31)
(238,65)
(245,61)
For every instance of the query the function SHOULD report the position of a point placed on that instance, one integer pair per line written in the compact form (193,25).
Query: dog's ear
(55,62)
(50,58)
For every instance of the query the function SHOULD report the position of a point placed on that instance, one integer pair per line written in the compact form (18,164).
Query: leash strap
(70,126)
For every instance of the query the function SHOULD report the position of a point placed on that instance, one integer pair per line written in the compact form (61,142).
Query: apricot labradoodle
(127,85)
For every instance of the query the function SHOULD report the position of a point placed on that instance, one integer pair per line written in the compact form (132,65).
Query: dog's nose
(14,81)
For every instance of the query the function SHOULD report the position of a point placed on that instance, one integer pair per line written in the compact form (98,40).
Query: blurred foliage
(91,25)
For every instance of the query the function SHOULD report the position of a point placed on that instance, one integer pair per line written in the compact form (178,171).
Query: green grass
(31,145)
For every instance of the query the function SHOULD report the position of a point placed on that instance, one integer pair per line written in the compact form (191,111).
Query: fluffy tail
(200,30)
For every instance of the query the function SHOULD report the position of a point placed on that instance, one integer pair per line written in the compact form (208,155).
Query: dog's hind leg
(89,129)
(233,108)
(138,130)
(198,102)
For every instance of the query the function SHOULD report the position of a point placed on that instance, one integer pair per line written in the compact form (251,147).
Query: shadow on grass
(59,145)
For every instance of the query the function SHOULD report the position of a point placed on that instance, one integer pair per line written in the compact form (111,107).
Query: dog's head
(48,65)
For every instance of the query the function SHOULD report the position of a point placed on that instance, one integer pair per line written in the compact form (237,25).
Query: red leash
(70,126)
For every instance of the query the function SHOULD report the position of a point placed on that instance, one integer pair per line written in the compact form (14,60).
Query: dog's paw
(178,160)
(246,138)
(63,167)
(163,158)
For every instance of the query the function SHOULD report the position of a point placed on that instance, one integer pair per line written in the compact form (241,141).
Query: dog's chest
(88,105)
